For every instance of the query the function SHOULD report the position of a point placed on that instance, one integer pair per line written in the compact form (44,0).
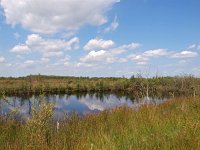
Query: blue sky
(99,38)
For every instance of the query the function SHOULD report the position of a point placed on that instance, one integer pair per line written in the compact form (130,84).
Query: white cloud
(155,53)
(94,44)
(117,51)
(64,61)
(192,46)
(94,56)
(122,60)
(17,35)
(21,49)
(113,26)
(53,54)
(45,60)
(139,59)
(131,46)
(29,62)
(47,47)
(198,47)
(19,57)
(184,54)
(52,16)
(145,56)
(97,44)
(36,42)
(104,56)
(88,65)
(2,59)
(72,44)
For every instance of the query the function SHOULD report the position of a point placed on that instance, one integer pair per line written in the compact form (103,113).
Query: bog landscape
(99,75)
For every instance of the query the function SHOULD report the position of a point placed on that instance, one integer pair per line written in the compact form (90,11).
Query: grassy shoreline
(138,86)
(172,125)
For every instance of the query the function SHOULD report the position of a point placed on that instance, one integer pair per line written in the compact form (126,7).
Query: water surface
(67,104)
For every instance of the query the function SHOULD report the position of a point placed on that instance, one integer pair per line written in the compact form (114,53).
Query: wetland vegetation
(173,124)
(139,86)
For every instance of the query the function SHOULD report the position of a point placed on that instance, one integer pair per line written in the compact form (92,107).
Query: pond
(65,104)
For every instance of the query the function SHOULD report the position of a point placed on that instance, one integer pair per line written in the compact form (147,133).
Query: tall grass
(172,125)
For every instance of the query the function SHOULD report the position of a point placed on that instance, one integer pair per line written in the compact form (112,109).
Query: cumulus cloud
(52,16)
(139,59)
(131,46)
(192,46)
(94,56)
(88,65)
(103,51)
(47,47)
(2,59)
(29,62)
(113,26)
(21,48)
(184,54)
(53,54)
(103,56)
(155,53)
(65,61)
(36,42)
(145,56)
(45,60)
(95,44)
(198,47)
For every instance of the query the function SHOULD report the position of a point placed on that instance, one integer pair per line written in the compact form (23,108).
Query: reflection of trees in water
(99,96)
(48,98)
(61,96)
(29,106)
(91,95)
(81,95)
(67,97)
(1,104)
(26,102)
(103,95)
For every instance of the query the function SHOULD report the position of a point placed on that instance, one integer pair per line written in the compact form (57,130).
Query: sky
(102,38)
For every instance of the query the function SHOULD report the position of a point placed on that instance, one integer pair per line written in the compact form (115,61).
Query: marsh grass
(172,125)
(139,86)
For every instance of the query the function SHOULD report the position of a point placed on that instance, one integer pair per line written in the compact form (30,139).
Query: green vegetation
(139,86)
(172,125)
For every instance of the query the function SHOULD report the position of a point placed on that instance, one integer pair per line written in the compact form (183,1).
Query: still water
(67,104)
